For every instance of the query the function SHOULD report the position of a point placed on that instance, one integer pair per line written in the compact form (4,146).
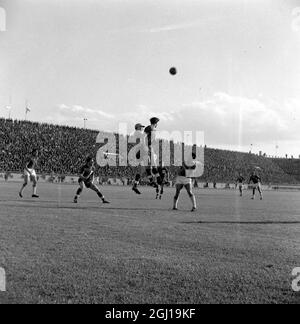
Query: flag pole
(27,109)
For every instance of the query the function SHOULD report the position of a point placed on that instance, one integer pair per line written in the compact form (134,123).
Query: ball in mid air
(173,71)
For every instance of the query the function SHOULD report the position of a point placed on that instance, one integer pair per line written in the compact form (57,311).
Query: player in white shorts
(184,181)
(30,174)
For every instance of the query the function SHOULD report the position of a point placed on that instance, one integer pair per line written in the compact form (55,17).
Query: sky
(108,61)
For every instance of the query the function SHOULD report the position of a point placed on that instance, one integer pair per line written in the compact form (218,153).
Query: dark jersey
(150,133)
(240,179)
(32,163)
(255,179)
(87,172)
(163,173)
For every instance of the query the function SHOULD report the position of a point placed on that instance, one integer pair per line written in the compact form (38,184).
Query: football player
(239,183)
(86,179)
(184,180)
(152,171)
(139,128)
(30,174)
(256,180)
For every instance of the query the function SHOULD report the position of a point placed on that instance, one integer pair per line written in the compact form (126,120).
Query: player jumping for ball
(86,179)
(239,183)
(152,171)
(30,174)
(184,181)
(256,180)
(139,128)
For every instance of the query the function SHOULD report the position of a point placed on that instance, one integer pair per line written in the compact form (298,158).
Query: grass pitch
(137,250)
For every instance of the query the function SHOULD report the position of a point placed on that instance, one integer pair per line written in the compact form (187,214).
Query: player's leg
(155,176)
(79,191)
(98,192)
(34,186)
(161,191)
(188,188)
(26,180)
(179,187)
(253,192)
(241,190)
(157,191)
(159,186)
(259,188)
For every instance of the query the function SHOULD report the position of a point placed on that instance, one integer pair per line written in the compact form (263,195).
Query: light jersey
(190,173)
(32,163)
(193,173)
(141,136)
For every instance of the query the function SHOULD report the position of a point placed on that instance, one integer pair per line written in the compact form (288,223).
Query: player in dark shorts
(162,180)
(152,170)
(239,183)
(30,174)
(256,180)
(86,179)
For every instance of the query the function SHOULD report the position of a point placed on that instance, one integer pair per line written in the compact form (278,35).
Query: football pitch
(137,250)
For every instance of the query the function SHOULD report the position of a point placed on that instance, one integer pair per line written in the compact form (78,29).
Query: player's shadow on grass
(245,223)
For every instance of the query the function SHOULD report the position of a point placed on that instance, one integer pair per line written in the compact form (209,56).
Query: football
(173,71)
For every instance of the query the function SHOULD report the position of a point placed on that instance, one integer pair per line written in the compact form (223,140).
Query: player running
(152,171)
(86,179)
(30,174)
(183,180)
(240,183)
(256,180)
(162,180)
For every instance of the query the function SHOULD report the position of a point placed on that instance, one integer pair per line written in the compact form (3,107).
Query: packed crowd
(64,149)
(289,166)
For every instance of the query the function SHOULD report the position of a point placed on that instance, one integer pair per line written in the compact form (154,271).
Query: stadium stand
(63,150)
(289,166)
